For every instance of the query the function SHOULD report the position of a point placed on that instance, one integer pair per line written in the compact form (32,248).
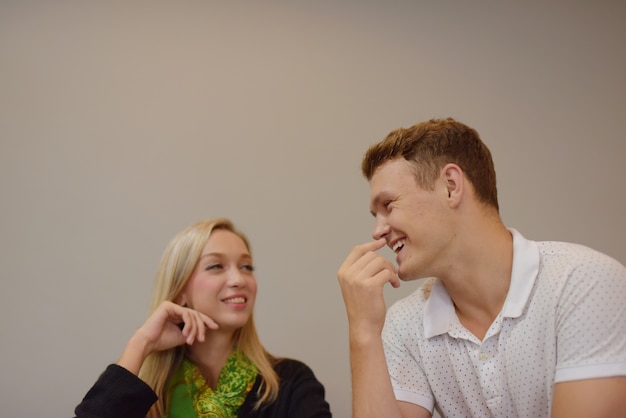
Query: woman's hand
(161,331)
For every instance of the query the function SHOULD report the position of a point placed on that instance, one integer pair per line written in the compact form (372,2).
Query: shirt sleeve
(117,393)
(408,379)
(591,320)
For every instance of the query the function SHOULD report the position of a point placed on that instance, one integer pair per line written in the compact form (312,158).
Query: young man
(503,326)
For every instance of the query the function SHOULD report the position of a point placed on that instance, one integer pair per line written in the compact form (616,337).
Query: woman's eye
(214,267)
(248,267)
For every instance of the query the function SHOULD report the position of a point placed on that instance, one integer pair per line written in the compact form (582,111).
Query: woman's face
(223,285)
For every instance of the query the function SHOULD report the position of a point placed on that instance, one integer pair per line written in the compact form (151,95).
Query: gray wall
(123,122)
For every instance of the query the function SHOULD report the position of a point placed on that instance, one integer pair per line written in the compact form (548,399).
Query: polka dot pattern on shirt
(572,326)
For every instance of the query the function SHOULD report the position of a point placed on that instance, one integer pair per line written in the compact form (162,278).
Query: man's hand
(362,277)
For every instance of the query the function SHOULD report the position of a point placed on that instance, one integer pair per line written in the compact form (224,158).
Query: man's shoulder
(562,248)
(569,268)
(574,255)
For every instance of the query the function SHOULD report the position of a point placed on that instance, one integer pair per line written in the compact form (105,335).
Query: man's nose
(381,228)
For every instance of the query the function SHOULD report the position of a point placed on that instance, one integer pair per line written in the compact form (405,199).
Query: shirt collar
(439,309)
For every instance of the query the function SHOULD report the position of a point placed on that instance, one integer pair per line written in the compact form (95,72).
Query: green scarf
(191,397)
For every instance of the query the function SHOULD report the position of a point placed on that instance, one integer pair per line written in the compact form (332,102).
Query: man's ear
(454,178)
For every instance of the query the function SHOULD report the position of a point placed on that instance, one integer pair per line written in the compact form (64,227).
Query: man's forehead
(388,174)
(393,167)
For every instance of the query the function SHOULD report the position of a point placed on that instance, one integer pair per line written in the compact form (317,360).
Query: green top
(192,397)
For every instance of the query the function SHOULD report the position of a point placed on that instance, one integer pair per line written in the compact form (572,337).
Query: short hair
(429,146)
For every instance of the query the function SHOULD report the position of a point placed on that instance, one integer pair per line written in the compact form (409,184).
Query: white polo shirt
(564,318)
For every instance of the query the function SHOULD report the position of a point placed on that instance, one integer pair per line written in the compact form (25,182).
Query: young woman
(198,354)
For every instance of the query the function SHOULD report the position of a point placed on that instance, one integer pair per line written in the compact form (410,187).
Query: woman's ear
(181,300)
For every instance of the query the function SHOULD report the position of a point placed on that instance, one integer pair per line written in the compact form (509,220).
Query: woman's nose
(235,278)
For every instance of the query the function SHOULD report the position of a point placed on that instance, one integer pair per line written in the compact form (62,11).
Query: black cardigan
(119,393)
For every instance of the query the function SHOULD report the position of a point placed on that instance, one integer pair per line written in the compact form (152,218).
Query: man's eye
(386,204)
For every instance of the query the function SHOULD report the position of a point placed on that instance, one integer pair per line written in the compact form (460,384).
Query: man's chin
(404,276)
(407,276)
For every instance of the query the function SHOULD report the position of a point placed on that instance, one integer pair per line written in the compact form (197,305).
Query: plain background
(123,122)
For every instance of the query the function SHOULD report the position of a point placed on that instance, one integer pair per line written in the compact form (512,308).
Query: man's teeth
(398,246)
(235,300)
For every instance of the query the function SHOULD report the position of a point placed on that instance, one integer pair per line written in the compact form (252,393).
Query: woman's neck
(211,355)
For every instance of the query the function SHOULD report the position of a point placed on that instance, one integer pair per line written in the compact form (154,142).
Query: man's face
(414,221)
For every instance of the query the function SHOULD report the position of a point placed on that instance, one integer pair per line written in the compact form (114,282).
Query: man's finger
(360,250)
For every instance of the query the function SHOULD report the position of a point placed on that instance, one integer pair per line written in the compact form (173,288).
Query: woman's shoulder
(286,367)
(300,390)
(300,394)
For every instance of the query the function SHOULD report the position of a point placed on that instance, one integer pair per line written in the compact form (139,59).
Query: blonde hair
(177,264)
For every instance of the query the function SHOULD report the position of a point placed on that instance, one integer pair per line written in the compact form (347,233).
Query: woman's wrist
(134,354)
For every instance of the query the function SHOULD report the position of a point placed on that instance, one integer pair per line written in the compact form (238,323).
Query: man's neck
(479,280)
